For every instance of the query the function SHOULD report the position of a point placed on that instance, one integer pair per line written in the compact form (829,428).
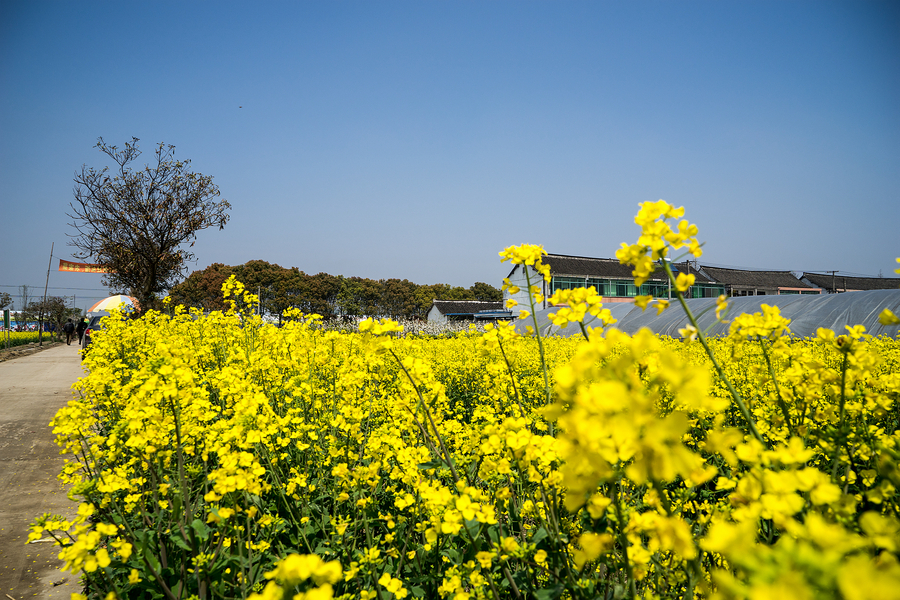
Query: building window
(601,285)
(657,289)
(565,283)
(706,290)
(611,288)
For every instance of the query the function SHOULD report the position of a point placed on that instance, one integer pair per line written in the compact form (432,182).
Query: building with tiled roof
(612,280)
(835,283)
(741,282)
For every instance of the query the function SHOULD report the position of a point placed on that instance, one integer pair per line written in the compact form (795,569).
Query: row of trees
(52,311)
(328,295)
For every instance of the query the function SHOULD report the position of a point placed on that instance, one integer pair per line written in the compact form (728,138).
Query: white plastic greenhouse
(806,312)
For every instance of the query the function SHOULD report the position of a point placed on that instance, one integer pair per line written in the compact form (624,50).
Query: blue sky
(417,139)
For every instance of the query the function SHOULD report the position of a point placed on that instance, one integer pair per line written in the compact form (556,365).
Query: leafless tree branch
(135,221)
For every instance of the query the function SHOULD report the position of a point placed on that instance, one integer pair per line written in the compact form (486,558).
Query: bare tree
(137,222)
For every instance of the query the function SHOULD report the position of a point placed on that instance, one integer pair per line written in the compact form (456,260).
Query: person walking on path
(69,328)
(82,325)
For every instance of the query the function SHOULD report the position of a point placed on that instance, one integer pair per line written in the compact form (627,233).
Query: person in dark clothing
(69,328)
(79,329)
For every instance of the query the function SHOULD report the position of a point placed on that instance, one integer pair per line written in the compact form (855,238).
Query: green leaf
(144,543)
(473,527)
(200,529)
(180,542)
(539,535)
(521,579)
(431,464)
(452,554)
(493,534)
(549,593)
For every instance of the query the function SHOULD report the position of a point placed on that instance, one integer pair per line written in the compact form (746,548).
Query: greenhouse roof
(807,314)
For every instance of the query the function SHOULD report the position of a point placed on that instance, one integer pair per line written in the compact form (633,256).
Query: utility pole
(833,289)
(44,303)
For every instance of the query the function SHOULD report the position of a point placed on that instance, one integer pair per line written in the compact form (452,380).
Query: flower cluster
(657,238)
(579,303)
(528,255)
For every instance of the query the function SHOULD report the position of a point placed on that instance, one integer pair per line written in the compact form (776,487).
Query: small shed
(442,311)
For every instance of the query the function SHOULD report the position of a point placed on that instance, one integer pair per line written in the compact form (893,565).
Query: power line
(60,288)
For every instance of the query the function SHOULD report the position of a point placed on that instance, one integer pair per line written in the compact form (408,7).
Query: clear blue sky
(417,139)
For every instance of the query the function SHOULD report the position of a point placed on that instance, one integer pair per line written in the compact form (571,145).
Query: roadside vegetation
(22,338)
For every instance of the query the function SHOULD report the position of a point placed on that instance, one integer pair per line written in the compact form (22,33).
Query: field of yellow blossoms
(221,457)
(22,338)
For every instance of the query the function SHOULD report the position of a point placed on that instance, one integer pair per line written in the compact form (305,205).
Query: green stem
(781,403)
(186,505)
(537,334)
(623,540)
(560,546)
(447,456)
(132,539)
(583,330)
(512,377)
(839,441)
(702,338)
(280,490)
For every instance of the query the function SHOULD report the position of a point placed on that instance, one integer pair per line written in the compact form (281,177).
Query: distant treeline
(324,294)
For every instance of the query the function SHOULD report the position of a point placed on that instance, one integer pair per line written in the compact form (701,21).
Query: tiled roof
(465,307)
(607,268)
(685,267)
(754,279)
(601,268)
(842,282)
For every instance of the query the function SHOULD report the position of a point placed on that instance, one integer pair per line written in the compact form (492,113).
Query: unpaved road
(32,389)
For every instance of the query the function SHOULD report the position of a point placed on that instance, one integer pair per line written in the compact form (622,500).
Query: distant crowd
(48,327)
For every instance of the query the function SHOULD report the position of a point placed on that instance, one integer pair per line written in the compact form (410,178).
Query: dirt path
(32,389)
(27,349)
